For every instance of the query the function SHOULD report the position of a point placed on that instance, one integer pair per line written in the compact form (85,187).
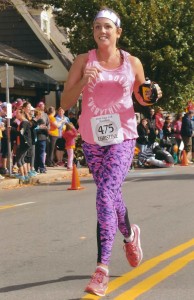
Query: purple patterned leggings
(109,166)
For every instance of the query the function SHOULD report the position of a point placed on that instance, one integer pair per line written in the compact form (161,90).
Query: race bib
(107,129)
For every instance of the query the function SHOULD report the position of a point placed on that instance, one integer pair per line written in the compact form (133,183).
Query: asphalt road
(48,243)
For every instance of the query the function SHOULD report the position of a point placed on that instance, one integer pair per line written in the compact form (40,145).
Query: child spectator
(69,134)
(40,136)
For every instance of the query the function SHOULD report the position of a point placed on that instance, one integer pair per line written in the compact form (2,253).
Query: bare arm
(78,77)
(140,79)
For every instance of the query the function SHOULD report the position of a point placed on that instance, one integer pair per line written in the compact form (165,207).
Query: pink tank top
(110,94)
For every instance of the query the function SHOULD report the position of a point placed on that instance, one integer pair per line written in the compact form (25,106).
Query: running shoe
(1,177)
(17,175)
(133,249)
(98,283)
(32,173)
(21,178)
(27,179)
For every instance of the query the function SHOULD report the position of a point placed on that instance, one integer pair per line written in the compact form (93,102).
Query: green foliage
(159,32)
(4,4)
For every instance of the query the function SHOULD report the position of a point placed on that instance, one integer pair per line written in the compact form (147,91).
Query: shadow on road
(131,177)
(18,287)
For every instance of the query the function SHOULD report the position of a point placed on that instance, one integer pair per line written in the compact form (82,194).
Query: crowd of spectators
(40,137)
(163,137)
(44,137)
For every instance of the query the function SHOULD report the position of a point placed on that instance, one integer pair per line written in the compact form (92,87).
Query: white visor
(109,15)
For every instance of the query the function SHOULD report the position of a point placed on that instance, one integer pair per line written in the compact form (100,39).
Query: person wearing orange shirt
(53,135)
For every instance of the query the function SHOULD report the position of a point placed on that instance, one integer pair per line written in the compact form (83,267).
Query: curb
(59,174)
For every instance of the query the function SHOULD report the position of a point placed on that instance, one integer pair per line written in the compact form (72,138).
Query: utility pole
(7,81)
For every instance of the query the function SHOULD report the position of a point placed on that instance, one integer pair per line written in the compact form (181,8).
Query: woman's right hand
(90,74)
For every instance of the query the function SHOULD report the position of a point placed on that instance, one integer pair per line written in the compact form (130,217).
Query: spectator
(177,133)
(69,134)
(168,130)
(53,135)
(40,134)
(159,120)
(2,128)
(143,131)
(60,143)
(73,119)
(168,141)
(192,122)
(186,133)
(41,106)
(24,143)
(155,156)
(153,132)
(4,148)
(30,157)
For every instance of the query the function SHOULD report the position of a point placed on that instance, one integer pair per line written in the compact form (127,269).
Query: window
(45,23)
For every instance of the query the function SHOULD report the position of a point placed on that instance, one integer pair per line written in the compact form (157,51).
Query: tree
(4,4)
(159,32)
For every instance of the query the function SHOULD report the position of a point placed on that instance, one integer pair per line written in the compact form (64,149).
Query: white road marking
(26,203)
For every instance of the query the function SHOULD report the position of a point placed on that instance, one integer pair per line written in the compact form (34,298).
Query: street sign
(7,75)
(9,110)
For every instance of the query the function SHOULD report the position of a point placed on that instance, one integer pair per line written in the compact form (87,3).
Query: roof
(15,32)
(34,79)
(15,56)
(20,29)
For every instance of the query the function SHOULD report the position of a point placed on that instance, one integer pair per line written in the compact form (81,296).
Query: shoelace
(98,277)
(130,249)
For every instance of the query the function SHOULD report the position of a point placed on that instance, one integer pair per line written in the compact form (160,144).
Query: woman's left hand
(158,89)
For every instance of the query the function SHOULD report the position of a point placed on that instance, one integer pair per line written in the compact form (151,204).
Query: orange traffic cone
(184,160)
(75,184)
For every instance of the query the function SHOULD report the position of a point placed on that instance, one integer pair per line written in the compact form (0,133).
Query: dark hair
(178,116)
(167,118)
(143,119)
(25,104)
(51,110)
(21,110)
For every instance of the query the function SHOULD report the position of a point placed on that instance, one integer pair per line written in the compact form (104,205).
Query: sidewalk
(58,174)
(52,175)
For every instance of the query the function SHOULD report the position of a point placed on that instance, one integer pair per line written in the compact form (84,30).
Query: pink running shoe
(98,284)
(133,249)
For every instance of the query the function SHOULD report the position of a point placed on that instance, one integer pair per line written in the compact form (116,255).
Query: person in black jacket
(143,131)
(24,142)
(186,133)
(152,125)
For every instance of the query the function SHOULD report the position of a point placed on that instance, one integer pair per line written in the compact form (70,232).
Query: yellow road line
(6,206)
(156,278)
(14,205)
(143,268)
